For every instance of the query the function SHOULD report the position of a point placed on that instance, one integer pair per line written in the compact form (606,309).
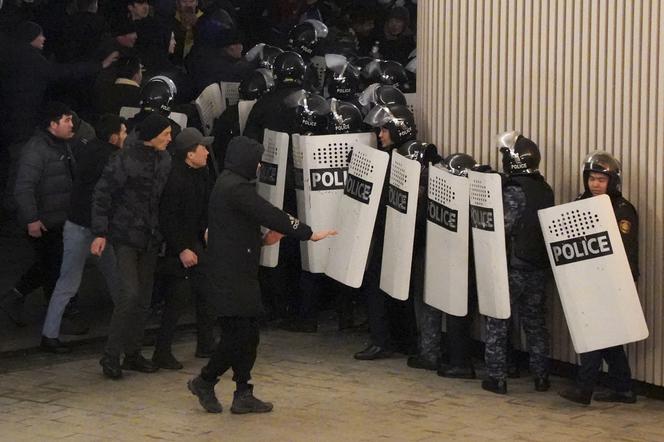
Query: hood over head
(243,155)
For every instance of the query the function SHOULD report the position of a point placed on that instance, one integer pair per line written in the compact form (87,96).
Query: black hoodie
(236,213)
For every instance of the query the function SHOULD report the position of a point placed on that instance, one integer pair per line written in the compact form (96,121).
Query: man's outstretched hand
(322,234)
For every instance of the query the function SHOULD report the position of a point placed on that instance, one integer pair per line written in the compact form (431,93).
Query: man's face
(188,6)
(63,128)
(385,138)
(198,157)
(127,40)
(139,9)
(363,28)
(598,183)
(395,26)
(38,42)
(161,141)
(234,50)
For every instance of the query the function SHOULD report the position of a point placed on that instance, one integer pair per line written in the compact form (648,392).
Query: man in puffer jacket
(42,190)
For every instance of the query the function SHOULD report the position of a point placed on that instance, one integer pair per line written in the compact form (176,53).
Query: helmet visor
(601,161)
(319,27)
(379,116)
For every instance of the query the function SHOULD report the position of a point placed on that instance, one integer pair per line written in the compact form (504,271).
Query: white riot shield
(356,215)
(446,266)
(400,226)
(298,167)
(321,67)
(412,102)
(209,105)
(243,109)
(488,226)
(230,92)
(271,183)
(592,273)
(325,160)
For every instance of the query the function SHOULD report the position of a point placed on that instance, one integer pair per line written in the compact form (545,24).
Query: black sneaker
(372,352)
(166,360)
(204,391)
(53,345)
(110,366)
(542,383)
(498,386)
(577,395)
(245,402)
(626,397)
(136,362)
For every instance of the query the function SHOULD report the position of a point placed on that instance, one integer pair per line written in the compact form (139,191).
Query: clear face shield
(601,161)
(379,116)
(319,28)
(171,85)
(267,76)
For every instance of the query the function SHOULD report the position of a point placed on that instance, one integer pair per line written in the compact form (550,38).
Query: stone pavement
(320,393)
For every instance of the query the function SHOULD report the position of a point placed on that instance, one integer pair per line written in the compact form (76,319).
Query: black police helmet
(256,84)
(603,162)
(289,68)
(423,153)
(397,119)
(344,118)
(521,156)
(305,37)
(310,112)
(157,94)
(459,163)
(344,85)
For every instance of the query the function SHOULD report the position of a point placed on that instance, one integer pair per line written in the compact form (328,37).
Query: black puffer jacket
(44,180)
(125,202)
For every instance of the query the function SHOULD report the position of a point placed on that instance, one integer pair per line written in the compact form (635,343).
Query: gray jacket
(44,180)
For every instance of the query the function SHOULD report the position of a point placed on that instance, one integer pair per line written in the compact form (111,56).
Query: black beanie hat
(28,31)
(152,126)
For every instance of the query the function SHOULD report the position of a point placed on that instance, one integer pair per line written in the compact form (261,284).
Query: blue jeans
(77,240)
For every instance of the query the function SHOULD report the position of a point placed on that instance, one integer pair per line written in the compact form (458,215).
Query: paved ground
(320,394)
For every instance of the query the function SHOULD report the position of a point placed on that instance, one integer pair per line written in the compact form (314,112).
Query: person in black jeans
(236,214)
(183,221)
(125,211)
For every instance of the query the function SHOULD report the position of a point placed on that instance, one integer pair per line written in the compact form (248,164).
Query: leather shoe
(542,383)
(372,352)
(456,372)
(493,385)
(577,395)
(626,397)
(110,366)
(166,361)
(421,362)
(137,362)
(53,345)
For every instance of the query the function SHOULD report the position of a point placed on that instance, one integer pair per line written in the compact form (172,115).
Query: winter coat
(44,180)
(183,213)
(125,202)
(236,213)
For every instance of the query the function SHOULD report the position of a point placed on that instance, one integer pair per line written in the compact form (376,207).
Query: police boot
(542,383)
(498,386)
(204,391)
(421,361)
(626,397)
(245,402)
(456,372)
(575,394)
(165,359)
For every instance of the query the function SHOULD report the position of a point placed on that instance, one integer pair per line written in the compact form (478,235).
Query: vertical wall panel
(574,75)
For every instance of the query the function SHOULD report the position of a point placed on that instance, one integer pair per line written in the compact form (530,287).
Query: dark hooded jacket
(236,213)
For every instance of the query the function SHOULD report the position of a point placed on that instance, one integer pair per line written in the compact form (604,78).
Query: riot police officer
(524,193)
(601,175)
(397,127)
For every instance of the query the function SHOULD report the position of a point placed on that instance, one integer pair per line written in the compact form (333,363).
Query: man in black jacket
(183,221)
(90,162)
(125,212)
(42,191)
(236,214)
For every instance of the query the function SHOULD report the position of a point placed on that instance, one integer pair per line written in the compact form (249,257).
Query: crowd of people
(172,215)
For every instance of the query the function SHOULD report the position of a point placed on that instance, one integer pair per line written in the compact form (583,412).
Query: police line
(346,196)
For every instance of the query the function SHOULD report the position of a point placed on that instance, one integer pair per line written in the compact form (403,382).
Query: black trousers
(620,375)
(236,349)
(44,272)
(179,292)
